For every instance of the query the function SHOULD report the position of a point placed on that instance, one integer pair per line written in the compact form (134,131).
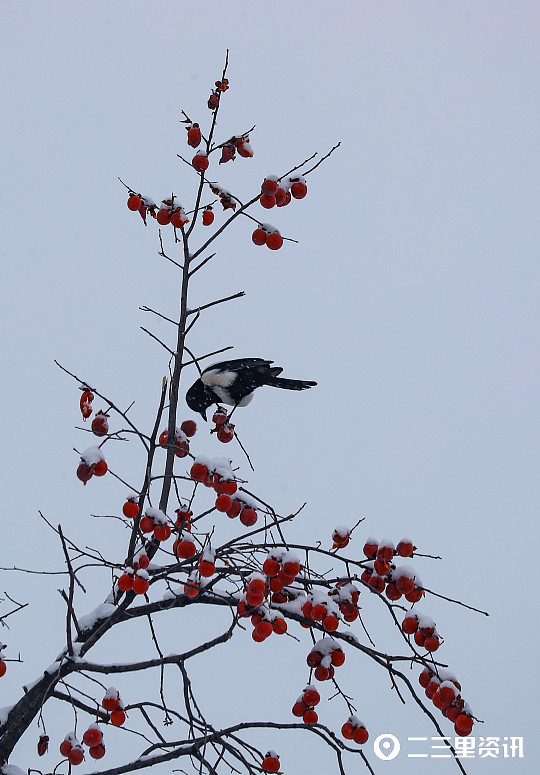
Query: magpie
(233,383)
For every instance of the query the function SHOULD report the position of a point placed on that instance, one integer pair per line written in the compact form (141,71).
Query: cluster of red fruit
(113,704)
(73,750)
(276,193)
(320,608)
(181,438)
(228,501)
(354,729)
(155,521)
(213,99)
(423,629)
(383,576)
(240,144)
(136,578)
(281,568)
(304,706)
(92,464)
(222,427)
(169,211)
(142,205)
(267,235)
(444,691)
(264,621)
(325,655)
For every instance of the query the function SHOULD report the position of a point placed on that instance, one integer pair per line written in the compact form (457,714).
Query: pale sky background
(411,298)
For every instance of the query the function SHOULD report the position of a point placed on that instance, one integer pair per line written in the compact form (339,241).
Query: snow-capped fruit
(248,517)
(100,424)
(200,162)
(100,468)
(111,700)
(163,216)
(130,509)
(194,136)
(267,201)
(274,240)
(370,549)
(206,568)
(291,568)
(225,433)
(118,717)
(405,548)
(179,219)
(409,625)
(259,237)
(311,696)
(162,532)
(269,187)
(76,755)
(92,736)
(97,751)
(270,763)
(360,735)
(271,566)
(298,189)
(125,582)
(84,472)
(86,404)
(340,538)
(219,417)
(134,202)
(244,149)
(432,643)
(208,216)
(140,585)
(65,747)
(405,585)
(198,472)
(184,549)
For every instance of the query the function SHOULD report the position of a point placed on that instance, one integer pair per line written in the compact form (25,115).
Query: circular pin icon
(386,746)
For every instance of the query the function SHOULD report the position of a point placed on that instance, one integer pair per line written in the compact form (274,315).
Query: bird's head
(199,398)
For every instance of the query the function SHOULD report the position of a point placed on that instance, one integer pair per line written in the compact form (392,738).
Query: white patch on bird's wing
(223,395)
(214,378)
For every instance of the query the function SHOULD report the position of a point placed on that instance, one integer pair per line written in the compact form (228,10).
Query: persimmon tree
(177,553)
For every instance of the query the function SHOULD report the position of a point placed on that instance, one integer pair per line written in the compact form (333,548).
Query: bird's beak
(203,415)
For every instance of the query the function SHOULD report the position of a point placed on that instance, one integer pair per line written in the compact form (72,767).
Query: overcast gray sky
(411,297)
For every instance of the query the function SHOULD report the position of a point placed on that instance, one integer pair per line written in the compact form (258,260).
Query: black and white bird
(233,383)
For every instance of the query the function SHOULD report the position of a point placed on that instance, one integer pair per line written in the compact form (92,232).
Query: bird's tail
(289,384)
